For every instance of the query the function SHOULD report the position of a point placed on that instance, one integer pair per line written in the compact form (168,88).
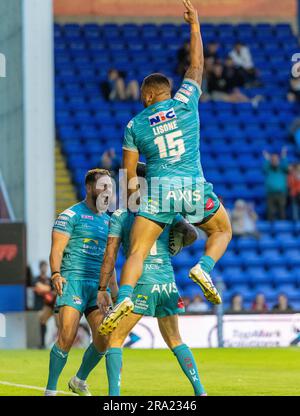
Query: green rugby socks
(207,264)
(187,362)
(113,369)
(90,359)
(125,291)
(58,359)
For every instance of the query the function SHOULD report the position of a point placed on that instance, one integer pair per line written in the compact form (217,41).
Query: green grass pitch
(233,372)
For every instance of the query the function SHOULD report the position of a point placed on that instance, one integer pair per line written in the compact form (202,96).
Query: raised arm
(195,69)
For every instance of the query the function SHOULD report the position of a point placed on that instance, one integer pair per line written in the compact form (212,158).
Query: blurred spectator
(243,61)
(232,75)
(186,301)
(259,304)
(211,51)
(44,299)
(294,131)
(183,57)
(219,87)
(236,304)
(243,219)
(110,161)
(282,304)
(115,88)
(294,190)
(294,90)
(198,305)
(276,170)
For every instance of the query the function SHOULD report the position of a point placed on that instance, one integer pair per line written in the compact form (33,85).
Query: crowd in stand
(224,80)
(282,186)
(259,304)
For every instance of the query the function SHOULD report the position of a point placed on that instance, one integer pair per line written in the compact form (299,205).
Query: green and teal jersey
(157,266)
(88,231)
(167,134)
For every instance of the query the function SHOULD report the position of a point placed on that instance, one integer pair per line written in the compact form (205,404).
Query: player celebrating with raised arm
(78,244)
(156,294)
(166,132)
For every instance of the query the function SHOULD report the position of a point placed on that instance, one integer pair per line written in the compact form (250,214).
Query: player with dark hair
(166,132)
(78,244)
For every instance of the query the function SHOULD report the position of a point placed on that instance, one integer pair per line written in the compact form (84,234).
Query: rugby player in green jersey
(167,134)
(156,294)
(78,244)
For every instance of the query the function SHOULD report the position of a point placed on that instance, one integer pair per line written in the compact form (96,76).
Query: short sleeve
(129,138)
(65,222)
(189,93)
(115,225)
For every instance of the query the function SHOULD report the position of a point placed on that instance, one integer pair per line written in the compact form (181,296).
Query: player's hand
(103,300)
(58,281)
(191,14)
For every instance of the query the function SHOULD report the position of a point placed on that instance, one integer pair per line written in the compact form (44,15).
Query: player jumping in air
(78,244)
(166,132)
(156,294)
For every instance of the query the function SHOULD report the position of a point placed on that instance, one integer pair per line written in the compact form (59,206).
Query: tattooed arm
(195,69)
(107,272)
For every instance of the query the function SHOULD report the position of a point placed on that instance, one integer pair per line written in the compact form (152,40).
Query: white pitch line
(25,386)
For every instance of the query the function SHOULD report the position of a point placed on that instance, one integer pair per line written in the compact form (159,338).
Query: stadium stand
(232,135)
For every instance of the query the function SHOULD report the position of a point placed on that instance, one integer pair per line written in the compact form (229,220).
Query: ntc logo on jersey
(162,117)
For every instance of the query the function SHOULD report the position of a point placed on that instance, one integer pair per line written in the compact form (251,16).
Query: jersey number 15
(170,145)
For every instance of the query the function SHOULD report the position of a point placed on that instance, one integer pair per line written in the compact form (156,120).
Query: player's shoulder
(137,119)
(188,89)
(119,214)
(72,211)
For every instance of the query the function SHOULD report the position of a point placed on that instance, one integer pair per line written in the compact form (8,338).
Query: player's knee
(137,255)
(65,340)
(173,341)
(101,342)
(117,338)
(228,233)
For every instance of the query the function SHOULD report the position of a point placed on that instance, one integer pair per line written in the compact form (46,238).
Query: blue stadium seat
(267,242)
(246,243)
(258,275)
(292,257)
(233,275)
(283,226)
(281,275)
(266,289)
(272,257)
(289,290)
